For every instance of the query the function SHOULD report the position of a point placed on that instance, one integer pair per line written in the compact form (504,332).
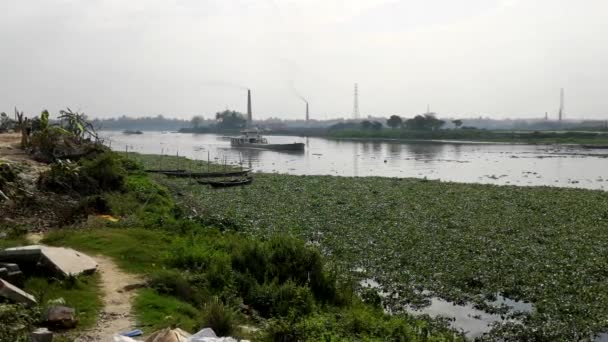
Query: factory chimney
(249,115)
(307,117)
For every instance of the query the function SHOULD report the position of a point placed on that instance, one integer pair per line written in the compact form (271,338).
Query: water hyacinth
(463,243)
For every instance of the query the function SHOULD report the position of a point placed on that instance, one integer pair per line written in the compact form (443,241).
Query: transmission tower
(561,104)
(356,104)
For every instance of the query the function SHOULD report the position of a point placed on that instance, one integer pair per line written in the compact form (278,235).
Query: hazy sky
(494,58)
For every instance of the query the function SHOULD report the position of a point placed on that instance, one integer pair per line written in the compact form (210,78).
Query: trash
(208,335)
(207,332)
(133,333)
(169,335)
(107,218)
(41,335)
(12,292)
(66,261)
(62,317)
(120,338)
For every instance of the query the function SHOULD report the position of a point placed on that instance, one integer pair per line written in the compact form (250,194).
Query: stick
(3,196)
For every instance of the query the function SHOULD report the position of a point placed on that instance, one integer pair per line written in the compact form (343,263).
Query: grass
(165,162)
(156,311)
(81,293)
(134,250)
(462,242)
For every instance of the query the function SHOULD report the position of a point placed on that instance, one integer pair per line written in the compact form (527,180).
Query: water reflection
(563,166)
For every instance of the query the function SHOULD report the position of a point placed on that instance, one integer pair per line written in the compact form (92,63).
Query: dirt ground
(32,210)
(116,316)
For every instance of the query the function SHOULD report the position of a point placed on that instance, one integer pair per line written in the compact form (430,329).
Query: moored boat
(251,138)
(227,183)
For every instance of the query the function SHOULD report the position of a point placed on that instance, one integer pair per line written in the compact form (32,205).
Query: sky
(465,58)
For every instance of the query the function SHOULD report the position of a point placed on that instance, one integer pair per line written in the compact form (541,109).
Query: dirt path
(116,315)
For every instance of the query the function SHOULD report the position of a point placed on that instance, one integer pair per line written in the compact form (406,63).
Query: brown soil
(116,315)
(29,208)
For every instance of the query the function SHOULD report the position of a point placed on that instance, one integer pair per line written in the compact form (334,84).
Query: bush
(15,322)
(272,299)
(219,317)
(103,173)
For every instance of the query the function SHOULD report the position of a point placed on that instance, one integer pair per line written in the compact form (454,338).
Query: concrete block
(12,292)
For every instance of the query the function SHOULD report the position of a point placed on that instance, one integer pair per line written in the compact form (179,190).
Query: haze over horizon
(496,58)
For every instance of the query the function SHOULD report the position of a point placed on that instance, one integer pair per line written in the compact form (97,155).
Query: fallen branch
(3,196)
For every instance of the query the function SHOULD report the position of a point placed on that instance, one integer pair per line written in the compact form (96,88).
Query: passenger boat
(251,138)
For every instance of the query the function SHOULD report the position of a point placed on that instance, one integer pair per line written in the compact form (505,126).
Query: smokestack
(307,117)
(249,115)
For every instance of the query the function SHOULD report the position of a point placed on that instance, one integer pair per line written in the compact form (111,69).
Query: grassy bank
(200,272)
(464,243)
(532,137)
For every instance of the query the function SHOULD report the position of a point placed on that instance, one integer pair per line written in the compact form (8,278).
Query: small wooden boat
(227,183)
(251,138)
(163,171)
(596,147)
(206,174)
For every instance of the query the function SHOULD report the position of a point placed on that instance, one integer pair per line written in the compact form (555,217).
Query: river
(523,165)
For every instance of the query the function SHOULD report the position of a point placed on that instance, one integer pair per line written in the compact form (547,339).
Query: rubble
(65,261)
(41,335)
(11,273)
(15,294)
(61,316)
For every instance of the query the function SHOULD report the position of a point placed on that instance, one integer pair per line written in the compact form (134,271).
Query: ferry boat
(252,138)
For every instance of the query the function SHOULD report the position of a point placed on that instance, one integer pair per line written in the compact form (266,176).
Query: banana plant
(77,124)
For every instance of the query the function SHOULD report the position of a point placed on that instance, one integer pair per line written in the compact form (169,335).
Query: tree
(457,123)
(369,125)
(426,122)
(230,119)
(366,125)
(197,121)
(394,121)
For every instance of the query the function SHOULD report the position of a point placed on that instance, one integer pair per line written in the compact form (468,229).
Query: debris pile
(59,262)
(177,335)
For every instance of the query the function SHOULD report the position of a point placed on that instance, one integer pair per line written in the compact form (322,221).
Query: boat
(184,174)
(129,131)
(227,183)
(596,147)
(252,138)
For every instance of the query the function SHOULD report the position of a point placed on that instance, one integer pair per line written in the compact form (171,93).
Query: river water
(523,165)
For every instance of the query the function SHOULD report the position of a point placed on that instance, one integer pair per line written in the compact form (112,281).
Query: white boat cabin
(249,136)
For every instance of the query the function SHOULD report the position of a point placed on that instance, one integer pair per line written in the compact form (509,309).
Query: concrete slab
(68,261)
(12,292)
(65,261)
(24,254)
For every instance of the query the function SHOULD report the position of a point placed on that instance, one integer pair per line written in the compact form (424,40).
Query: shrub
(15,322)
(219,317)
(272,299)
(103,173)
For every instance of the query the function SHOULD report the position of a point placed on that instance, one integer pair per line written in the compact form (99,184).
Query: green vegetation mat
(464,243)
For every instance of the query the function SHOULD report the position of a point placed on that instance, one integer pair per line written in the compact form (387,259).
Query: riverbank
(479,136)
(419,240)
(194,273)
